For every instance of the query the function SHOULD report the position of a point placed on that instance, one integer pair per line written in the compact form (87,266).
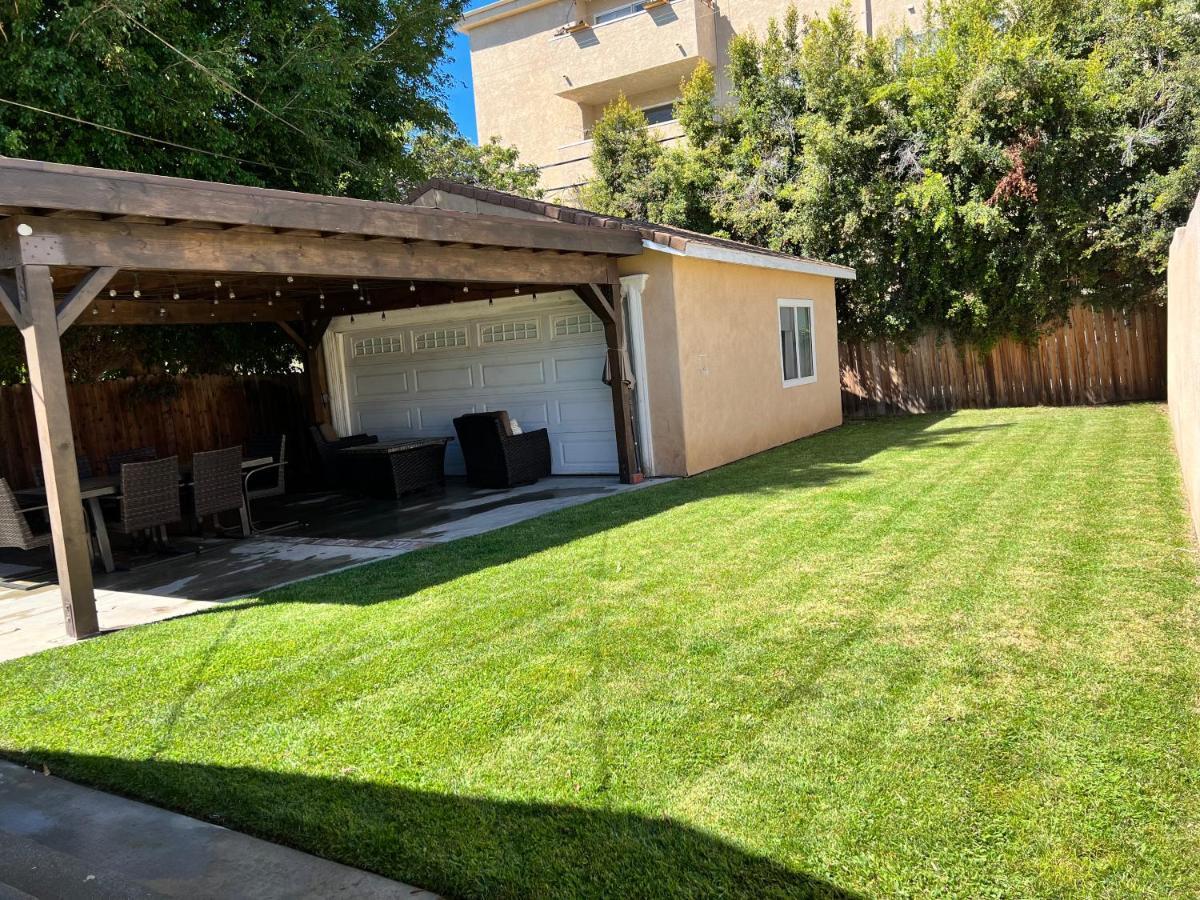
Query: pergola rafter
(82,246)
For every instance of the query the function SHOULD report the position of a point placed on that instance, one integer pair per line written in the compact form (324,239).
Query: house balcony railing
(655,47)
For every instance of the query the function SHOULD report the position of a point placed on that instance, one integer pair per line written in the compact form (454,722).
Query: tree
(441,153)
(1015,158)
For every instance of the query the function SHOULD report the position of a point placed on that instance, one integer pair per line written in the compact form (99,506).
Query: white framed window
(620,12)
(582,323)
(503,332)
(377,345)
(439,339)
(796,346)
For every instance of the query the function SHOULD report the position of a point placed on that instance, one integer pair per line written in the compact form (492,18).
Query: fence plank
(1095,356)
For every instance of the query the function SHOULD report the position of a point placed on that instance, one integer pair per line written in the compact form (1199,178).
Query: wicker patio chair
(217,486)
(328,444)
(136,455)
(149,499)
(268,480)
(15,530)
(497,458)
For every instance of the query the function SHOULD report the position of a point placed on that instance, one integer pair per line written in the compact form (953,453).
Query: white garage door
(542,361)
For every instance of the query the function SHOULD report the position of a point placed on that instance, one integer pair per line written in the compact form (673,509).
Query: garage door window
(439,338)
(585,323)
(503,332)
(376,346)
(796,342)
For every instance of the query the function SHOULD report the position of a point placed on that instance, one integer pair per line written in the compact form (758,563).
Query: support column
(605,301)
(48,382)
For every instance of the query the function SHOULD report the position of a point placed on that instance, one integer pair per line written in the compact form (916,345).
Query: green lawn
(932,656)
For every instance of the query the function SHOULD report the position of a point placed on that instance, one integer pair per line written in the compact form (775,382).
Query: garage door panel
(579,369)
(584,409)
(384,421)
(513,374)
(456,378)
(381,384)
(594,451)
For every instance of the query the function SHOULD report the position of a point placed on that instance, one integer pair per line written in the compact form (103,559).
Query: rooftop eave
(493,12)
(701,250)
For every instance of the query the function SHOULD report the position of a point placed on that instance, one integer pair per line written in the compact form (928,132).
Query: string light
(290,279)
(174,288)
(217,283)
(412,286)
(112,292)
(465,289)
(517,289)
(137,287)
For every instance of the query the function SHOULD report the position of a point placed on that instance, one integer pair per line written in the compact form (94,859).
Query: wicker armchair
(497,458)
(149,497)
(267,480)
(136,455)
(328,444)
(15,530)
(217,486)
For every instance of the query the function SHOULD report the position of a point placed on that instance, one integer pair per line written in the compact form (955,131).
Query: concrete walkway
(61,840)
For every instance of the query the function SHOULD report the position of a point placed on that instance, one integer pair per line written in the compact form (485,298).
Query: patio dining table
(93,488)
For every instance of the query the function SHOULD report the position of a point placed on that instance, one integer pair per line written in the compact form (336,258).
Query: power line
(146,137)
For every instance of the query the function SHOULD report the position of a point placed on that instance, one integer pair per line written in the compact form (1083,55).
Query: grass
(933,656)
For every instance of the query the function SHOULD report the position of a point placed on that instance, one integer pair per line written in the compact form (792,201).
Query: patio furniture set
(142,494)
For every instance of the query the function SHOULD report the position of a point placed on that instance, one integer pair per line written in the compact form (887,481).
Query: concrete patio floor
(334,531)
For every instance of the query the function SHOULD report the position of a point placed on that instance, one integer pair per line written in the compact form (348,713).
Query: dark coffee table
(394,468)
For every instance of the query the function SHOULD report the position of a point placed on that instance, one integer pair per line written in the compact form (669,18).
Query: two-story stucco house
(544,70)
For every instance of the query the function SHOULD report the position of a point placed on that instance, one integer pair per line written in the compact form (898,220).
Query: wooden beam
(29,184)
(48,383)
(10,302)
(82,295)
(607,305)
(295,337)
(70,242)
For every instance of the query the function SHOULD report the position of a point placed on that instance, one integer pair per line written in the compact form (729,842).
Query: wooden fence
(1097,356)
(174,415)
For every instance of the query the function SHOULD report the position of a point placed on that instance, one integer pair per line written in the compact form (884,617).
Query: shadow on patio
(456,845)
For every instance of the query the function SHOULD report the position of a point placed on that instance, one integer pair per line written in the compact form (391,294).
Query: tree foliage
(1014,158)
(332,98)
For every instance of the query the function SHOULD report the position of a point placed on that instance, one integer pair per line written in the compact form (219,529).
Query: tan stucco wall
(1183,354)
(521,70)
(661,375)
(713,368)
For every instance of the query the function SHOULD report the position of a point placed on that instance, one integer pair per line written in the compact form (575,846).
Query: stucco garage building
(733,349)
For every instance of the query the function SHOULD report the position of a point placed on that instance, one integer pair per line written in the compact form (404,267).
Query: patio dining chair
(136,455)
(149,498)
(497,458)
(82,464)
(217,486)
(267,480)
(15,528)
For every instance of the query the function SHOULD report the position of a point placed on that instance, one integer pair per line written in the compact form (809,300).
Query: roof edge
(699,250)
(491,12)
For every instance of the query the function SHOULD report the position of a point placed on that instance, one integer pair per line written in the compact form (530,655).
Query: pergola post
(605,301)
(48,383)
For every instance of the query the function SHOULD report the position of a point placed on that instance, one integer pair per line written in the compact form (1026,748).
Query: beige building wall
(542,91)
(1183,354)
(714,372)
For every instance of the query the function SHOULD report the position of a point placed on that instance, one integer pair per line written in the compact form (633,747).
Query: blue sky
(458,64)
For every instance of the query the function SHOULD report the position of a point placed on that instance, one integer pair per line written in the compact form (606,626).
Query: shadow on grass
(458,846)
(825,459)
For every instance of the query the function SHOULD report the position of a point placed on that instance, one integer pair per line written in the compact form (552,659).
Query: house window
(621,12)
(657,115)
(584,323)
(376,346)
(439,338)
(508,331)
(796,342)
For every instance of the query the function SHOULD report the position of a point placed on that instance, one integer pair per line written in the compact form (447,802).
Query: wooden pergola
(82,246)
